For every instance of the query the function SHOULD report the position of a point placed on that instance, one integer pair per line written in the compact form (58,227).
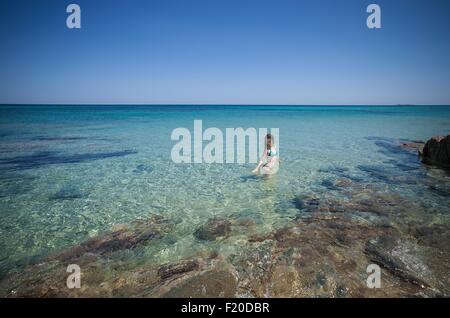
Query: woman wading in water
(269,162)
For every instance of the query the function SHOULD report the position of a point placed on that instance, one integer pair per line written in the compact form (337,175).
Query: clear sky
(225,52)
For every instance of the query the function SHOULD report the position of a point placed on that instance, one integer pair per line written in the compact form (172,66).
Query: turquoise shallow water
(68,173)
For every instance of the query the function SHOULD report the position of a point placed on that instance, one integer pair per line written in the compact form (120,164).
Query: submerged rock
(46,158)
(170,270)
(211,283)
(254,264)
(437,151)
(391,254)
(308,202)
(379,172)
(415,146)
(140,168)
(343,182)
(329,184)
(122,238)
(366,200)
(213,229)
(67,193)
(284,282)
(435,235)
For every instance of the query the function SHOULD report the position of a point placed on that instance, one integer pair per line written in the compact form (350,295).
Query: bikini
(270,165)
(272,152)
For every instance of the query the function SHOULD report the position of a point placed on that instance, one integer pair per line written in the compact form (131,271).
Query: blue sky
(225,52)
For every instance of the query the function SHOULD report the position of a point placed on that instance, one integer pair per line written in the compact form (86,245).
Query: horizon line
(212,104)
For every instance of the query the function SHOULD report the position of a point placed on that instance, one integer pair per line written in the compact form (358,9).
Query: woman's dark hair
(269,140)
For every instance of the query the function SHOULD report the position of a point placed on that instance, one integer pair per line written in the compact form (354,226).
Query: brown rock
(285,282)
(437,151)
(435,235)
(213,283)
(413,146)
(169,270)
(213,229)
(123,237)
(380,251)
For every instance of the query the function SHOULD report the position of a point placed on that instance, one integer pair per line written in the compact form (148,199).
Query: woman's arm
(272,161)
(261,161)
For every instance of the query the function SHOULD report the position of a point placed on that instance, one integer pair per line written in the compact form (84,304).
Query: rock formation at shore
(437,151)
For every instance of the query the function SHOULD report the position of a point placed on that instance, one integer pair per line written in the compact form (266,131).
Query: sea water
(68,173)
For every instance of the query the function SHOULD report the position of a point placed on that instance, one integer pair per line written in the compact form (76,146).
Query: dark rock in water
(439,189)
(341,290)
(112,242)
(249,178)
(142,168)
(377,172)
(376,206)
(329,204)
(329,184)
(402,151)
(288,235)
(337,208)
(170,270)
(353,178)
(254,264)
(337,184)
(343,174)
(343,182)
(415,146)
(67,193)
(213,229)
(283,281)
(437,152)
(388,147)
(245,222)
(45,158)
(321,279)
(259,238)
(169,239)
(435,235)
(137,234)
(212,283)
(380,252)
(306,202)
(391,175)
(394,149)
(438,185)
